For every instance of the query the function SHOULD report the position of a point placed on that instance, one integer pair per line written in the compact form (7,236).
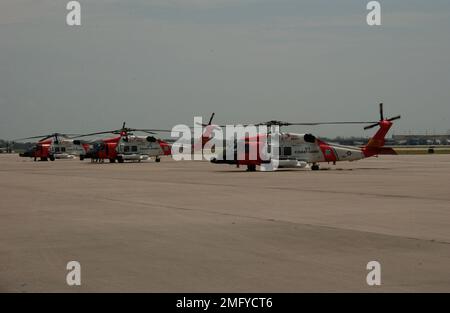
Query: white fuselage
(138,148)
(65,149)
(296,152)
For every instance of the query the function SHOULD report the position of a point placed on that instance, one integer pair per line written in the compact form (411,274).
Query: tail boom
(375,146)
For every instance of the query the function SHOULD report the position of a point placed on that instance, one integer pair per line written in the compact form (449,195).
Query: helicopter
(305,150)
(125,146)
(53,146)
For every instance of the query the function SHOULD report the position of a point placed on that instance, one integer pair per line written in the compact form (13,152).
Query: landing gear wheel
(120,159)
(52,158)
(251,168)
(315,167)
(157,160)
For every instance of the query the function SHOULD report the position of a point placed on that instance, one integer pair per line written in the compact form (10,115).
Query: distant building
(396,140)
(422,139)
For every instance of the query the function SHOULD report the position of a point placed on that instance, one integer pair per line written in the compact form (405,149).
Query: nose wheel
(315,167)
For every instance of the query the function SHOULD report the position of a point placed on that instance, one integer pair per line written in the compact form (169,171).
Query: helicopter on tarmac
(126,146)
(54,146)
(304,150)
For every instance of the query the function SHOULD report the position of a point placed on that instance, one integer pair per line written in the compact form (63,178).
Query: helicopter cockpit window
(287,151)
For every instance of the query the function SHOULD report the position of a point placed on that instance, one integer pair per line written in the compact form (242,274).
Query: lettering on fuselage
(306,150)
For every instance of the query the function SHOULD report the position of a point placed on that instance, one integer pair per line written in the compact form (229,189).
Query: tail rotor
(382,119)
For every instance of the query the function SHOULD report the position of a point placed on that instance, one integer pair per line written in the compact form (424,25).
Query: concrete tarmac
(199,227)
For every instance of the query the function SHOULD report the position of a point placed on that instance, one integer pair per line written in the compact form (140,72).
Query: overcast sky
(159,63)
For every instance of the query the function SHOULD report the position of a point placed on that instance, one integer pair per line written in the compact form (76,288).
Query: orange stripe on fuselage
(328,152)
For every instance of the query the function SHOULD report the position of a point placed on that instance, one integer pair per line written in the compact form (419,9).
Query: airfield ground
(199,227)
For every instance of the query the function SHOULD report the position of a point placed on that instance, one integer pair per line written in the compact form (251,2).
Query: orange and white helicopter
(299,150)
(54,146)
(126,146)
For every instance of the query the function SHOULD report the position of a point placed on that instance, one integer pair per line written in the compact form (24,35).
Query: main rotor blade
(381,112)
(279,123)
(97,133)
(327,123)
(44,137)
(126,130)
(150,130)
(371,126)
(147,132)
(34,137)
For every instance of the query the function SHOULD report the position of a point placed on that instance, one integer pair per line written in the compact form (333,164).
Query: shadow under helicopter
(294,170)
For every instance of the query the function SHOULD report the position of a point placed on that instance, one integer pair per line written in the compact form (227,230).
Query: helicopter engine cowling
(309,138)
(151,139)
(298,138)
